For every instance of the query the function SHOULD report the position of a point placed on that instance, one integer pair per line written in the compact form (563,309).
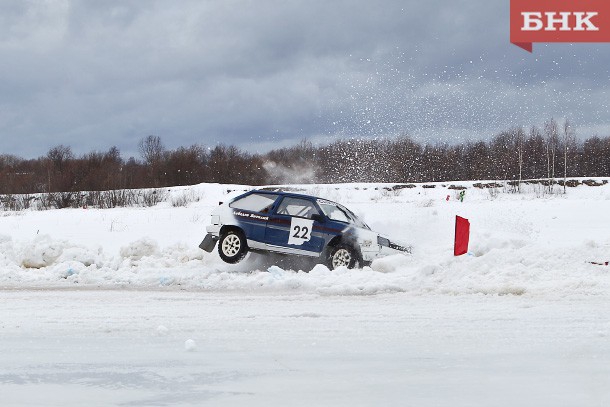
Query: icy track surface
(143,348)
(120,307)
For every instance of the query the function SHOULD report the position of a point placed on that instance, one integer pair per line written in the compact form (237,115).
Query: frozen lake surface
(129,348)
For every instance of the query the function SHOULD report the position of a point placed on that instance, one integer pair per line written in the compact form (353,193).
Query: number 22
(298,229)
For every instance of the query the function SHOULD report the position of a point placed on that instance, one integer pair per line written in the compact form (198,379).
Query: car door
(291,226)
(250,213)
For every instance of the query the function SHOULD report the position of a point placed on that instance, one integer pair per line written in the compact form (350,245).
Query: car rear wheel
(342,255)
(232,246)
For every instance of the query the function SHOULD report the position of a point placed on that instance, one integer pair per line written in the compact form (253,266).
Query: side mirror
(318,218)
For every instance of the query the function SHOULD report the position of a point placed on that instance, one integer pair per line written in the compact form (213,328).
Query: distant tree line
(552,151)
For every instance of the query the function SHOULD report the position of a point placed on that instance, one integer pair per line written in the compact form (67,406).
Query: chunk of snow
(141,248)
(190,345)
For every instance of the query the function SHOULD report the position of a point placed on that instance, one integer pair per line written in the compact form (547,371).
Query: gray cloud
(92,74)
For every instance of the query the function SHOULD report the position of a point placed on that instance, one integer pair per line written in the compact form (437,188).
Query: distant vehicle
(294,224)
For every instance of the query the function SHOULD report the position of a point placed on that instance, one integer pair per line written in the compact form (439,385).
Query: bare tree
(59,156)
(519,139)
(569,141)
(152,152)
(551,133)
(151,149)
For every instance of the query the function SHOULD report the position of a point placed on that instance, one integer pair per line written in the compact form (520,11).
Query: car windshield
(255,202)
(340,213)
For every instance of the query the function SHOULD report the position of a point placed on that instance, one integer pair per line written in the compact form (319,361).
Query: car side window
(297,207)
(334,212)
(255,202)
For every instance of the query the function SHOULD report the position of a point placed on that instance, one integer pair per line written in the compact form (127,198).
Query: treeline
(552,151)
(60,170)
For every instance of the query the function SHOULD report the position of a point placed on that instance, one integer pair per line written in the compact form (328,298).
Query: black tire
(232,246)
(342,255)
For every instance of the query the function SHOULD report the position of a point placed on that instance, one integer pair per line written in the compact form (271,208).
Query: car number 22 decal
(300,231)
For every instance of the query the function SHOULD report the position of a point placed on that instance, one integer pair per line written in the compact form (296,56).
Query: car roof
(281,193)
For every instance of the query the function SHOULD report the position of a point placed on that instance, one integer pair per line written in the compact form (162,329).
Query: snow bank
(502,268)
(520,245)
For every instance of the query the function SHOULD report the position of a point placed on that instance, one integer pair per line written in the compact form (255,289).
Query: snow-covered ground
(529,243)
(120,307)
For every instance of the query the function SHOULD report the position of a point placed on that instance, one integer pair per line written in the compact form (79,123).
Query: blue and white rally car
(288,223)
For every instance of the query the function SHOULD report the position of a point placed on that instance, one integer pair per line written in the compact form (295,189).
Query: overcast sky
(91,74)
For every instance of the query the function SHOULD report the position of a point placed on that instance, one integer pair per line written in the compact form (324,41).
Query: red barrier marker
(462,236)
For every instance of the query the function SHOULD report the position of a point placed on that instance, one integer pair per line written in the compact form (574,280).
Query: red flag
(462,235)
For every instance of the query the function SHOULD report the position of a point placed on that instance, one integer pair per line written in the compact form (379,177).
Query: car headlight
(382,241)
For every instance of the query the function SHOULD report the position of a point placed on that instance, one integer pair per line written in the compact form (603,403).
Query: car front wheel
(232,246)
(342,255)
